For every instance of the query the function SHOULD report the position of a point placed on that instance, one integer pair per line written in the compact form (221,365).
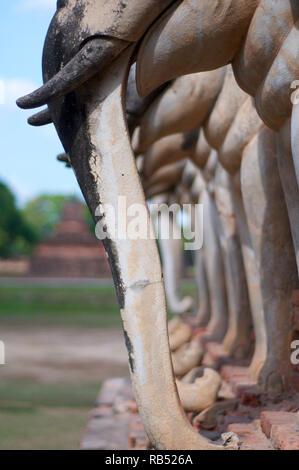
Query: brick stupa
(71,251)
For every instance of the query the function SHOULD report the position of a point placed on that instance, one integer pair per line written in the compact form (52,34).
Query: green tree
(44,212)
(17,236)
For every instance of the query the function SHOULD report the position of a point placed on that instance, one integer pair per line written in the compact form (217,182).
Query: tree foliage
(21,230)
(44,212)
(17,236)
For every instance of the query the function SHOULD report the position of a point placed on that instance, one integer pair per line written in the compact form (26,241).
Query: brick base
(215,355)
(251,436)
(115,424)
(282,428)
(261,421)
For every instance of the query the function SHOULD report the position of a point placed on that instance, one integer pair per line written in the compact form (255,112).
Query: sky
(27,154)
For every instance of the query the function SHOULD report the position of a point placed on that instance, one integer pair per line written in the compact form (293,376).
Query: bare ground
(53,355)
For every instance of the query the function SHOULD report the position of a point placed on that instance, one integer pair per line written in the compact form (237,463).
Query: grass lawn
(64,305)
(61,305)
(38,415)
(44,416)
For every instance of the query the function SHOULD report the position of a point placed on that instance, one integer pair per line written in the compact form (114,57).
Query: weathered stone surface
(138,439)
(113,390)
(249,395)
(251,437)
(296,381)
(229,372)
(109,425)
(88,121)
(295,298)
(210,417)
(215,355)
(107,433)
(295,310)
(282,428)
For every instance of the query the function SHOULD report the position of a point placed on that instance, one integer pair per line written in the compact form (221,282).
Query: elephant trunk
(172,258)
(111,172)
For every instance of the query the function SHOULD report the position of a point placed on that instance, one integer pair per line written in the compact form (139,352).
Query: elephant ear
(80,20)
(178,42)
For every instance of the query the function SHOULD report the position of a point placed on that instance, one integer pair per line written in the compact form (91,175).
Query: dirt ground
(52,354)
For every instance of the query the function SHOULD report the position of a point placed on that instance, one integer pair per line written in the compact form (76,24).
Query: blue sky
(27,154)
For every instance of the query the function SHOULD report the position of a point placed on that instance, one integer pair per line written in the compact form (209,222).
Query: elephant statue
(170,244)
(229,128)
(264,61)
(87,57)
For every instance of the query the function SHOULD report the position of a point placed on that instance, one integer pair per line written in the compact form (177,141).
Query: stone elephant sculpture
(264,61)
(171,249)
(183,107)
(87,56)
(229,128)
(86,59)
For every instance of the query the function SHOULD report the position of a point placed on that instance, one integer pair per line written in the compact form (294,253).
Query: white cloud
(49,5)
(14,88)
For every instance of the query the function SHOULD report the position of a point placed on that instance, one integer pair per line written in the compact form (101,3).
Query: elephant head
(88,51)
(258,37)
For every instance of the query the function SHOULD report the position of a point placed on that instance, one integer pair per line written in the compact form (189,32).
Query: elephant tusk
(64,158)
(86,63)
(187,357)
(40,119)
(202,393)
(135,263)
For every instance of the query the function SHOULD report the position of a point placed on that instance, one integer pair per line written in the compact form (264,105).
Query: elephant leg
(204,310)
(203,314)
(237,339)
(253,282)
(289,183)
(217,325)
(271,238)
(295,139)
(172,260)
